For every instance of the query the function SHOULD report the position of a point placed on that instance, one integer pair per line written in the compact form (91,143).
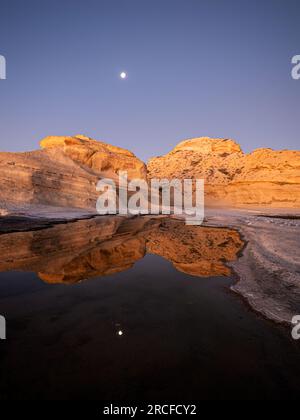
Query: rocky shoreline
(268,268)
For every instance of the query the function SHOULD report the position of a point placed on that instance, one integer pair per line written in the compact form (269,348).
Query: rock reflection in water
(69,253)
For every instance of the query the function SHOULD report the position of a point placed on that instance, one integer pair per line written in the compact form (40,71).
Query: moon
(123,75)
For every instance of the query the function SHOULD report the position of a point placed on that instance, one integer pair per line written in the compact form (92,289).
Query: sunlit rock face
(263,178)
(64,173)
(97,155)
(207,145)
(72,252)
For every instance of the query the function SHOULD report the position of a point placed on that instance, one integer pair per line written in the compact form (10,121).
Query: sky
(218,68)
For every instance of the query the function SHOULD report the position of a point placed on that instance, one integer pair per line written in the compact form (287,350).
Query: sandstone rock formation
(64,173)
(263,178)
(68,253)
(97,155)
(207,145)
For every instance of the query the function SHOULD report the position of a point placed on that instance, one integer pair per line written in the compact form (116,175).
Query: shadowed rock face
(263,177)
(72,252)
(63,174)
(45,177)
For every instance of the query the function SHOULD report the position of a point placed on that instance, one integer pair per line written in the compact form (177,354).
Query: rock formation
(263,178)
(101,157)
(63,174)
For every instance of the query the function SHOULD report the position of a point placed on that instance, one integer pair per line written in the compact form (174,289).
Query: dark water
(149,332)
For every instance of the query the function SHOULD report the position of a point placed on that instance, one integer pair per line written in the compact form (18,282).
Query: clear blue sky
(195,68)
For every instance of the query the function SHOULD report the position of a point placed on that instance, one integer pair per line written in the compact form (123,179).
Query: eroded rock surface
(263,177)
(97,155)
(63,174)
(47,177)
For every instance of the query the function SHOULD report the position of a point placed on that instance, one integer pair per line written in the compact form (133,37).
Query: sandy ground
(268,269)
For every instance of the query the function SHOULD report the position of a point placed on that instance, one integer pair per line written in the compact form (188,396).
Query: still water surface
(137,311)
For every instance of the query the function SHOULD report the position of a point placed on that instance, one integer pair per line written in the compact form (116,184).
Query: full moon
(123,75)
